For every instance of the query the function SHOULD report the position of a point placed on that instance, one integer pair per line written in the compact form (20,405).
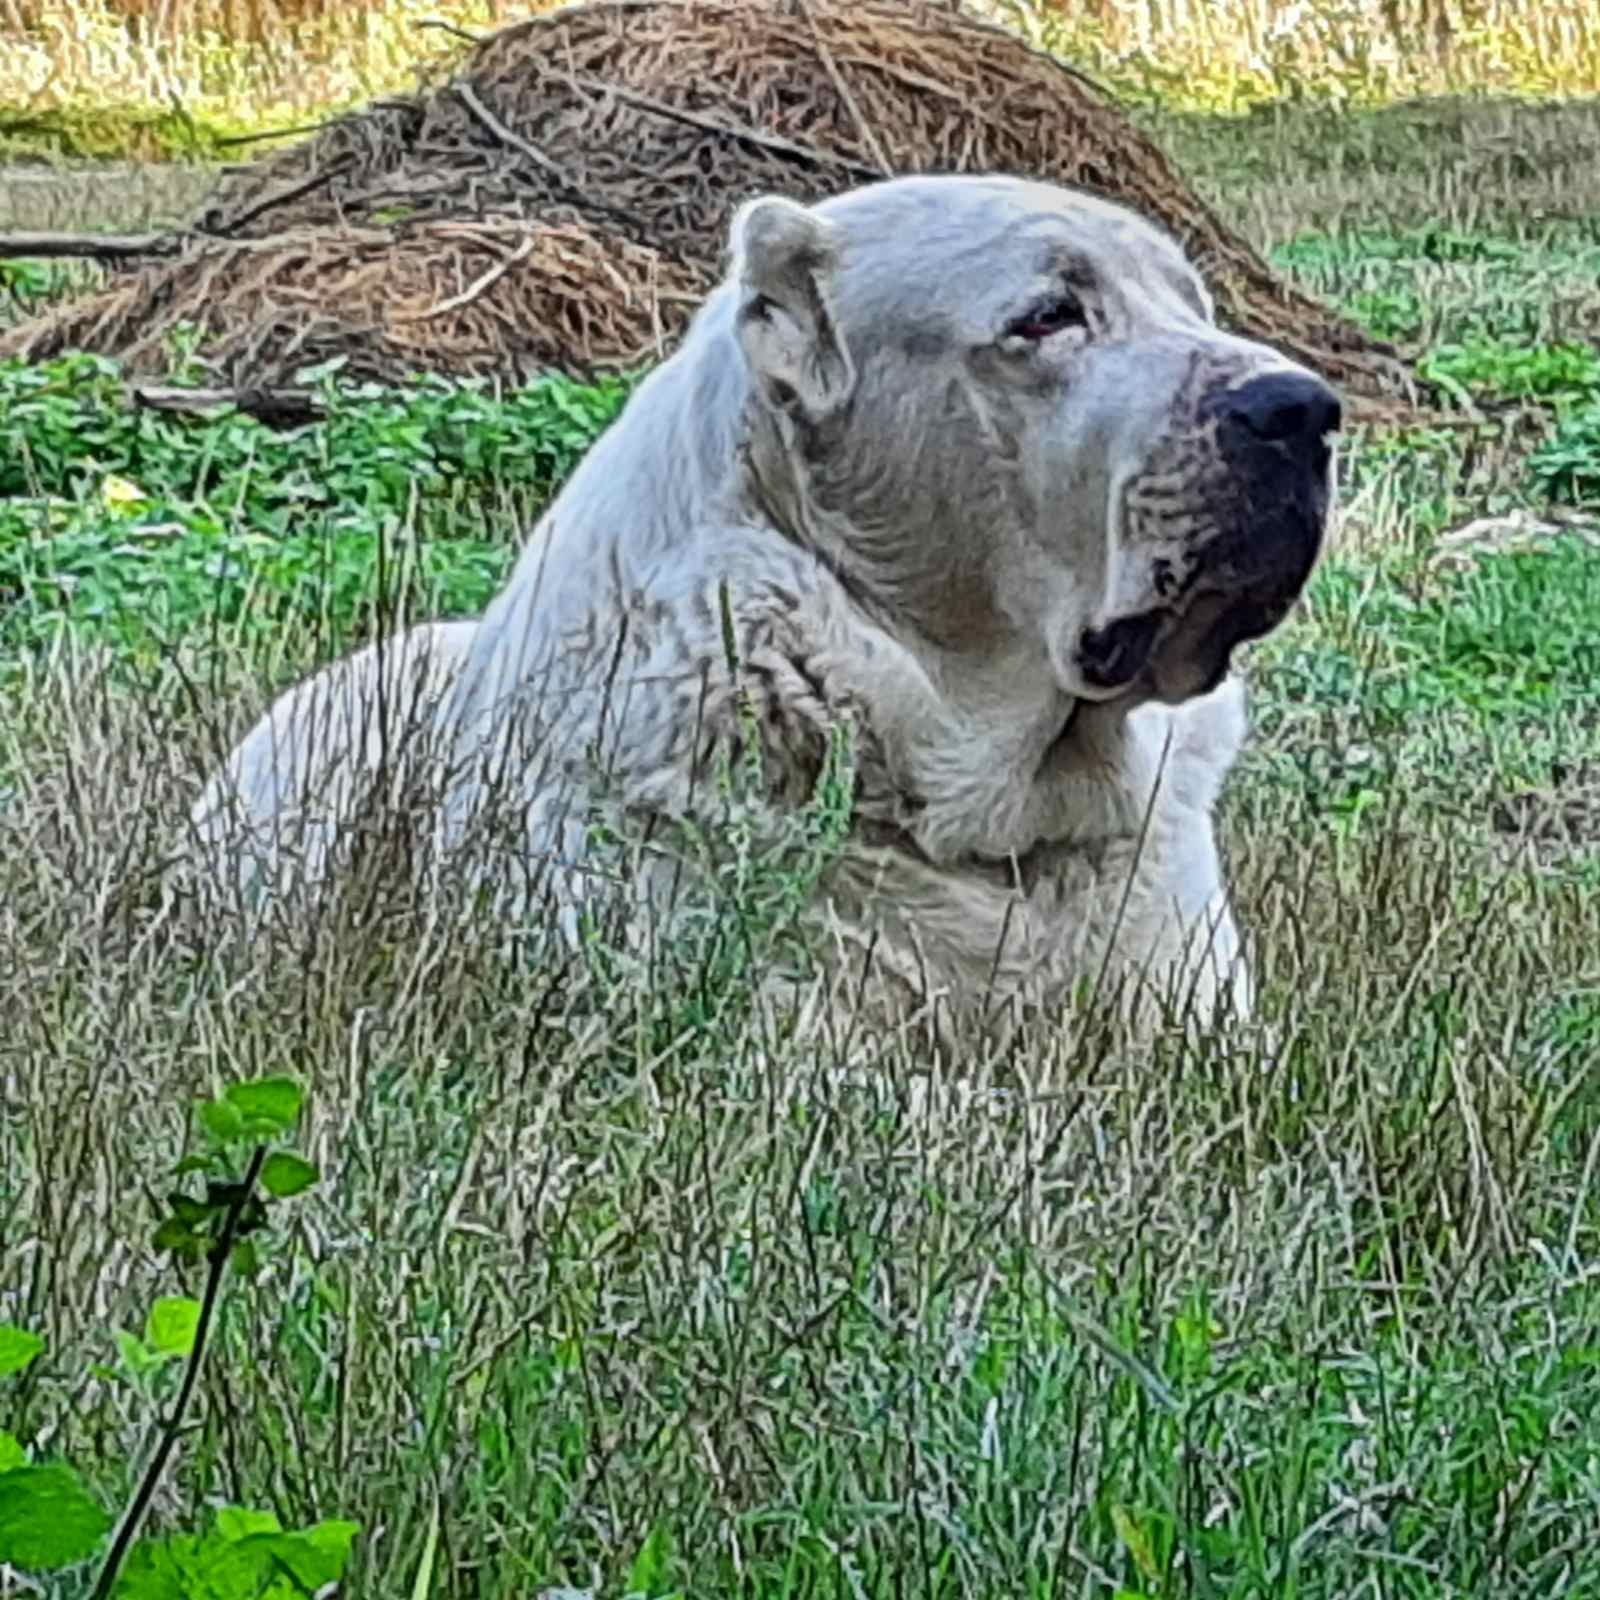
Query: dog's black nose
(1285,408)
(1113,656)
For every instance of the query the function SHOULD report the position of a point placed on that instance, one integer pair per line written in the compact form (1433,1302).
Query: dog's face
(1005,413)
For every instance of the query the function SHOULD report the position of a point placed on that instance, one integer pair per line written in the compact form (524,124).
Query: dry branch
(477,286)
(731,130)
(464,93)
(285,196)
(88,246)
(278,408)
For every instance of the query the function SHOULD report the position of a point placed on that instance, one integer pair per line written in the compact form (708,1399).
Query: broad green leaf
(284,1174)
(237,1522)
(301,1567)
(245,1259)
(271,1101)
(334,1538)
(187,1209)
(18,1348)
(246,1555)
(171,1325)
(136,1355)
(12,1455)
(178,1237)
(167,1569)
(222,1121)
(47,1519)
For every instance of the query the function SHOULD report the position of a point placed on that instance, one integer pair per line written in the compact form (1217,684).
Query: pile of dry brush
(560,197)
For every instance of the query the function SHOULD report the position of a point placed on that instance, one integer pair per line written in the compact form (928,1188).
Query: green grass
(1436,285)
(622,1291)
(143,528)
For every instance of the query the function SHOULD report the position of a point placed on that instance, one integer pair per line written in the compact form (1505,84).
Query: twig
(478,285)
(465,93)
(842,89)
(173,1425)
(280,408)
(88,246)
(274,133)
(280,197)
(733,130)
(448,27)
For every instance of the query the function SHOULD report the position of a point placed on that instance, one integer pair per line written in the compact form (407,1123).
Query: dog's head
(1003,411)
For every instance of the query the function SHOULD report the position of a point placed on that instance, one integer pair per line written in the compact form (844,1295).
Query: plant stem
(173,1426)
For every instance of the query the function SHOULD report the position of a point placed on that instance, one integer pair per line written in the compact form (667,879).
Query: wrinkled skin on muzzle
(1266,443)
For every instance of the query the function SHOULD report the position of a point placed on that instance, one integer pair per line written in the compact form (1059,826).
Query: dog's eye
(1054,316)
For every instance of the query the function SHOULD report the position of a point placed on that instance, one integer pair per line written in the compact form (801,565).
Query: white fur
(278,809)
(910,529)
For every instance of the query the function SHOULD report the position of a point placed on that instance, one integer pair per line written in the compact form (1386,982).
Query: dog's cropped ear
(784,258)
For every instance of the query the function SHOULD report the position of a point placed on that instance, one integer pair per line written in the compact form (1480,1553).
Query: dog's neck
(991,760)
(971,714)
(986,755)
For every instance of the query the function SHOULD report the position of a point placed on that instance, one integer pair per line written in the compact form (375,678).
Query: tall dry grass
(1227,54)
(271,62)
(600,1263)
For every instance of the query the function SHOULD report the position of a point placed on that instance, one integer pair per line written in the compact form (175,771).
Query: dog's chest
(970,930)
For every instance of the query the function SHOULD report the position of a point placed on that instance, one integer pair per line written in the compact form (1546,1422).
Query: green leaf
(178,1237)
(47,1519)
(12,1455)
(246,1555)
(284,1174)
(136,1357)
(223,1122)
(172,1324)
(165,1569)
(18,1348)
(334,1539)
(273,1102)
(187,1209)
(651,1569)
(245,1259)
(307,1562)
(237,1522)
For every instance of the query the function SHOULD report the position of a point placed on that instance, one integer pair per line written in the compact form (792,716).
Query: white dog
(963,461)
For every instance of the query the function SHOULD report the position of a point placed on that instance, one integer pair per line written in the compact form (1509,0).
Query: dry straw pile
(489,297)
(561,196)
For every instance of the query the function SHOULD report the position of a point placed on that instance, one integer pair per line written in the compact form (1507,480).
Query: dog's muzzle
(1274,435)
